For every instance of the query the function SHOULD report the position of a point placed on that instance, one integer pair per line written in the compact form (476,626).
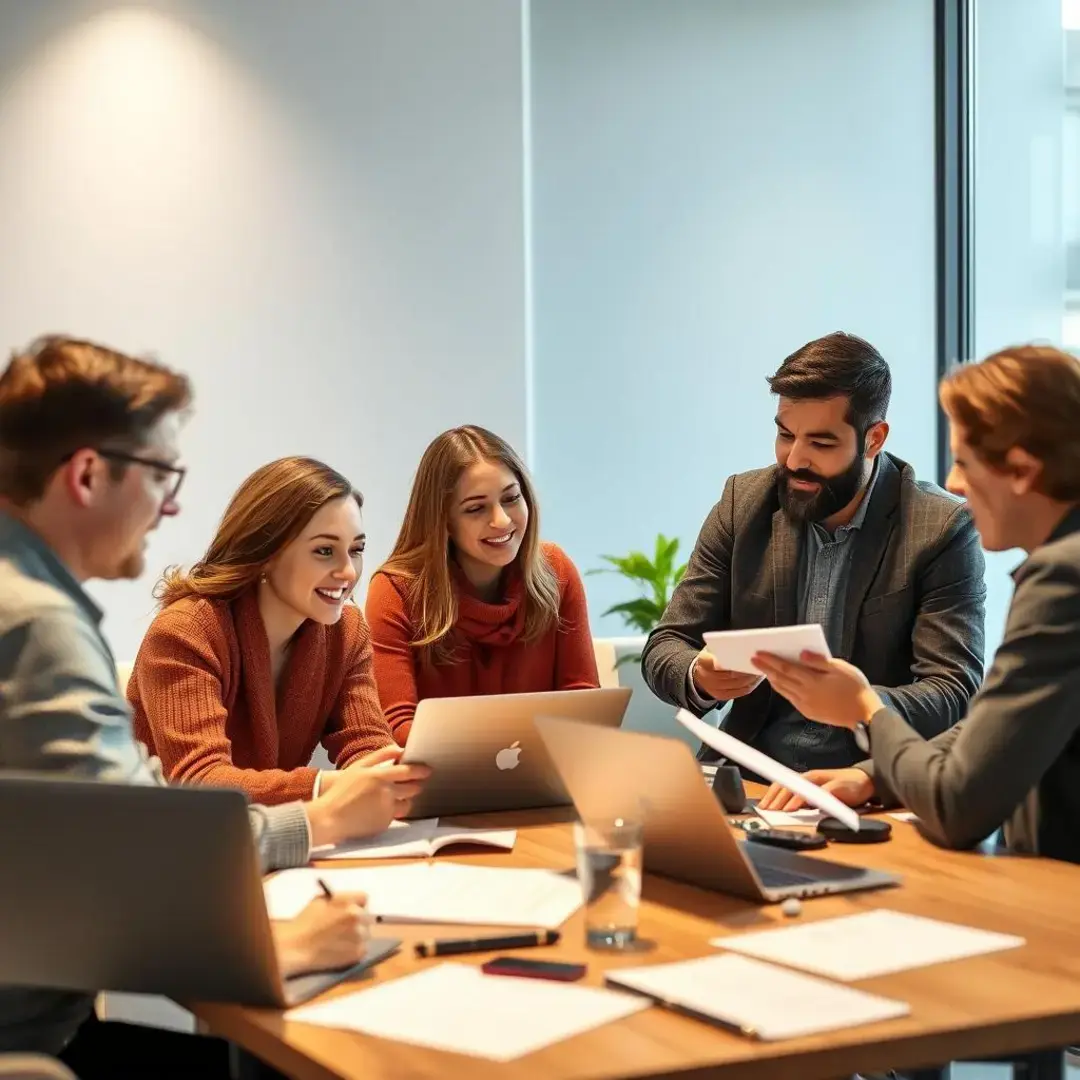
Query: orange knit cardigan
(204,702)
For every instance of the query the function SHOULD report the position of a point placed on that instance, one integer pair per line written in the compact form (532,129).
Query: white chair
(645,712)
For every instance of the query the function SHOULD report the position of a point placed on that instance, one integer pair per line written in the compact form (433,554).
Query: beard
(833,494)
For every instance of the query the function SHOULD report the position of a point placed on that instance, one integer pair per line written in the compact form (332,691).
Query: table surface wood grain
(1008,1002)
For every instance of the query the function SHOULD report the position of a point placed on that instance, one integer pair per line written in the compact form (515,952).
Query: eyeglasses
(177,471)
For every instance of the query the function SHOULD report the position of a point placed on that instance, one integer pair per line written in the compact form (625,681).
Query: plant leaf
(640,613)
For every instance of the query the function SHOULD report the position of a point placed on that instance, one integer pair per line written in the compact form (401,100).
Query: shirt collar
(860,513)
(38,560)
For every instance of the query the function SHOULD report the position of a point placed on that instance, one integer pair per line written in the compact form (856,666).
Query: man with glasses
(89,452)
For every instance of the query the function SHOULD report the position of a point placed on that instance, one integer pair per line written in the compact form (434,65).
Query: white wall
(1019,233)
(715,183)
(314,209)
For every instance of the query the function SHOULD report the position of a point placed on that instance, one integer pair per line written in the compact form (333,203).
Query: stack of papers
(444,892)
(458,1008)
(867,945)
(755,999)
(416,839)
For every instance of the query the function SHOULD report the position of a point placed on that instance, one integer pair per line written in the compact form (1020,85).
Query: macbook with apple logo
(486,754)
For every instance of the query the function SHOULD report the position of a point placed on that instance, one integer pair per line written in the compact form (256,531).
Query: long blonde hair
(421,556)
(270,509)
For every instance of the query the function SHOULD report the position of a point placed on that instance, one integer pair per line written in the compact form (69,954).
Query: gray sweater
(1015,760)
(61,711)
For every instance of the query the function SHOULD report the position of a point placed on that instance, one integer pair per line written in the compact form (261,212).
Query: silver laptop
(485,752)
(140,889)
(687,834)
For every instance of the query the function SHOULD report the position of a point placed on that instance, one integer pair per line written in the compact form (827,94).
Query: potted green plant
(654,578)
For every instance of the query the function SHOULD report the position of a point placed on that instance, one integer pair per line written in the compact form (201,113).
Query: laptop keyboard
(775,869)
(775,878)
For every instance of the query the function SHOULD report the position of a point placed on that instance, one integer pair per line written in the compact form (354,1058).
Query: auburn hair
(63,394)
(270,509)
(1027,396)
(421,557)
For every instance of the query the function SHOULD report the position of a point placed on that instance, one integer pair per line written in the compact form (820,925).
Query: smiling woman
(257,655)
(470,600)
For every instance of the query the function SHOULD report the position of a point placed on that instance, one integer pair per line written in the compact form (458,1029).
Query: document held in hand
(770,769)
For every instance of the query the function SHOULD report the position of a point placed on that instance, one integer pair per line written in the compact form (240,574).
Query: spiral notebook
(755,999)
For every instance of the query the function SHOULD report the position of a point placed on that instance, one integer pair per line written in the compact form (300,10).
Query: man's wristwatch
(862,737)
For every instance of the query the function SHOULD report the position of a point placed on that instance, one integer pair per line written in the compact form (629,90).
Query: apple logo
(508,758)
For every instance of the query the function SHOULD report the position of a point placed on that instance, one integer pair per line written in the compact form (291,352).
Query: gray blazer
(1015,760)
(914,609)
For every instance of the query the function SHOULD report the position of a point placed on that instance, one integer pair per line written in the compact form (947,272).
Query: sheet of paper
(777,819)
(456,1007)
(904,815)
(417,839)
(760,1000)
(402,838)
(867,945)
(771,770)
(441,892)
(735,649)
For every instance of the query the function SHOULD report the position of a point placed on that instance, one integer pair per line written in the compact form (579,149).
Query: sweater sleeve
(575,658)
(177,685)
(356,726)
(393,656)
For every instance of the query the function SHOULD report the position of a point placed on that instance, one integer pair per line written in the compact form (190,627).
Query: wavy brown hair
(270,509)
(422,554)
(1027,396)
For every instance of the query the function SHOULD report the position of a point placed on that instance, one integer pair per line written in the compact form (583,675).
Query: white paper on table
(777,819)
(867,945)
(772,770)
(443,892)
(458,1008)
(757,999)
(416,839)
(905,815)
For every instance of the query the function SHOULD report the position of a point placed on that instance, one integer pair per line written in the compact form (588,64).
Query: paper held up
(771,770)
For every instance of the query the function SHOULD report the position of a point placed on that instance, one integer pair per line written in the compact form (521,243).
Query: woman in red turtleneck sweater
(470,601)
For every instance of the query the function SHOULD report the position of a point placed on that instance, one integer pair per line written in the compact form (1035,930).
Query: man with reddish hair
(1015,760)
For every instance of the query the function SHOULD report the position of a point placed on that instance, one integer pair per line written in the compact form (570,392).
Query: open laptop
(657,780)
(485,752)
(140,889)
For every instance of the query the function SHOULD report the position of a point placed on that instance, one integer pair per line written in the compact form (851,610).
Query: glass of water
(609,869)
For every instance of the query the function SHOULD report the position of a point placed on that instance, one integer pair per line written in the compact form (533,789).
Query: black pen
(325,889)
(711,1019)
(453,946)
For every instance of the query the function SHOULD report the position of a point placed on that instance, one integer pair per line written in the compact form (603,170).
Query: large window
(1023,211)
(1070,157)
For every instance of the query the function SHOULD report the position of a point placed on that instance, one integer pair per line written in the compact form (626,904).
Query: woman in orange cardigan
(470,601)
(257,655)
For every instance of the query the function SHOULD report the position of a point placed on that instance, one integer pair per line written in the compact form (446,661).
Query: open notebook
(416,839)
(436,892)
(755,999)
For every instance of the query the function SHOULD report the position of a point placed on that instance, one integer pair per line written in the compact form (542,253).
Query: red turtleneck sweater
(203,698)
(491,657)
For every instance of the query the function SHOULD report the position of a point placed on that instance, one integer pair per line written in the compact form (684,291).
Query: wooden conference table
(1018,1000)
